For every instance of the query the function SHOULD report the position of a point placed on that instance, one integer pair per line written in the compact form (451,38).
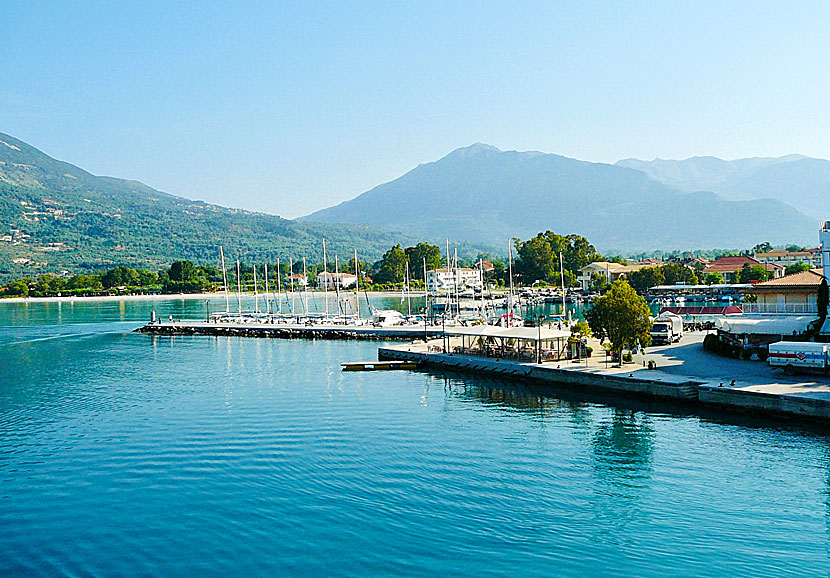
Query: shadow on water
(625,443)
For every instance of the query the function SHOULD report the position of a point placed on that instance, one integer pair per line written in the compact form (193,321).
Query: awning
(526,333)
(757,325)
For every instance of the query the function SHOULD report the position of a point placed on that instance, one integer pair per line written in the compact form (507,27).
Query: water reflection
(623,446)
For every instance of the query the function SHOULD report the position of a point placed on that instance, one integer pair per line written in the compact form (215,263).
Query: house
(811,257)
(328,281)
(485,266)
(790,295)
(446,279)
(612,271)
(650,262)
(298,279)
(730,266)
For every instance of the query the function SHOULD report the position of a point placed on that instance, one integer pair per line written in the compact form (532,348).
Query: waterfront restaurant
(537,344)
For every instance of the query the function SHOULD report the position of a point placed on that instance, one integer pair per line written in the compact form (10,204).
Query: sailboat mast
(279,287)
(510,274)
(256,293)
(325,278)
(356,285)
(225,280)
(426,294)
(267,290)
(335,277)
(449,289)
(291,267)
(304,297)
(562,273)
(408,296)
(238,287)
(456,281)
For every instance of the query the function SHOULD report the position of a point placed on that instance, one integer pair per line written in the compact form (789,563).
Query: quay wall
(695,392)
(682,390)
(760,402)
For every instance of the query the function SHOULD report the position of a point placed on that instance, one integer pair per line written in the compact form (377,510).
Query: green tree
(796,268)
(622,316)
(120,276)
(646,278)
(182,271)
(822,299)
(675,273)
(579,330)
(85,282)
(538,258)
(147,278)
(714,278)
(18,288)
(48,284)
(764,247)
(416,255)
(599,281)
(391,268)
(750,273)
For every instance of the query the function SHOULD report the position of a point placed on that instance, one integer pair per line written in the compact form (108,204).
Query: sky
(291,107)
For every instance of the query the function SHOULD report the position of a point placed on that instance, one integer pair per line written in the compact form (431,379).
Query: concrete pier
(758,388)
(292,331)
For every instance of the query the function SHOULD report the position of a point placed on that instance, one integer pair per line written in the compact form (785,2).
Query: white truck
(667,328)
(795,356)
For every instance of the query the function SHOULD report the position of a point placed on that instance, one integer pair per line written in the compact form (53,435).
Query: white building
(298,279)
(612,272)
(811,257)
(439,280)
(331,281)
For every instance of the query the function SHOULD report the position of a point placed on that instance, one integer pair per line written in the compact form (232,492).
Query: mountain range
(54,216)
(795,179)
(482,194)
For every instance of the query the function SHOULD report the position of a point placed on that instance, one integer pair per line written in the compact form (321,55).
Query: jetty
(685,373)
(292,330)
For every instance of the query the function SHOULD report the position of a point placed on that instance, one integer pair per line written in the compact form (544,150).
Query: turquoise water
(129,454)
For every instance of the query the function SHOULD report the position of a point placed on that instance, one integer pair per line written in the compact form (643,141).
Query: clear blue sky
(288,108)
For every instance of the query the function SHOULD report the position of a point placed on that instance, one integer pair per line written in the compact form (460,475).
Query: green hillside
(55,216)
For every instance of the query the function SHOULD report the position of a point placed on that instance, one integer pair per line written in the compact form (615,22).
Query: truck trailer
(794,356)
(667,328)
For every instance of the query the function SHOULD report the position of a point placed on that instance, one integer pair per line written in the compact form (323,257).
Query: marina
(231,455)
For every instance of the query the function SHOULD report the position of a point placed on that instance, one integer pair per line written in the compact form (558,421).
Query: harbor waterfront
(123,453)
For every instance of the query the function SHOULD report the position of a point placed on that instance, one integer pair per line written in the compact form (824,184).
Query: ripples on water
(131,454)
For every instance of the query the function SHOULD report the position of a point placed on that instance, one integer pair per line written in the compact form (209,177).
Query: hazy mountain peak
(482,194)
(473,150)
(797,179)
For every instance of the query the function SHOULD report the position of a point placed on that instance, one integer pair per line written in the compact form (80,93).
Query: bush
(627,357)
(746,354)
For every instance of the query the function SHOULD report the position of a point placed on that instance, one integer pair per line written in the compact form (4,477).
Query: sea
(123,454)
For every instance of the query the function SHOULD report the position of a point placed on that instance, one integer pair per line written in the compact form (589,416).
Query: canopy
(526,333)
(778,325)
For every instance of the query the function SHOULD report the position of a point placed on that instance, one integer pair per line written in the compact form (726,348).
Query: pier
(685,373)
(293,330)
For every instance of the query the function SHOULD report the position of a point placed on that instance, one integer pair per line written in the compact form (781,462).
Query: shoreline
(178,296)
